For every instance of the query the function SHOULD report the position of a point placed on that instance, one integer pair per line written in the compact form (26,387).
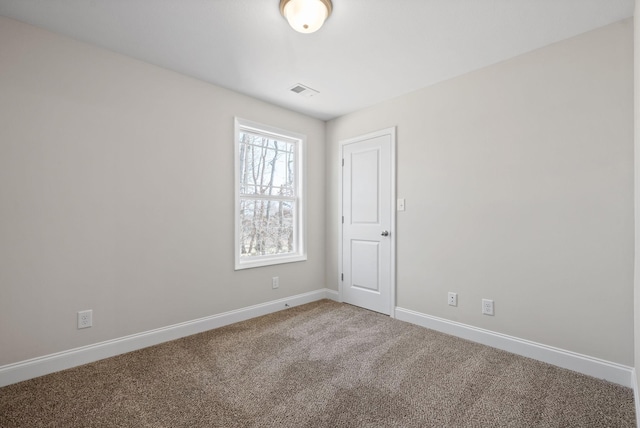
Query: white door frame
(392,133)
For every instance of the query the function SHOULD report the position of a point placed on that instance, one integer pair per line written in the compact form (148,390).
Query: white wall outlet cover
(487,306)
(85,319)
(275,282)
(452,299)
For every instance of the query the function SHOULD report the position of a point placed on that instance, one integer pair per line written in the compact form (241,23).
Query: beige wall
(518,181)
(116,194)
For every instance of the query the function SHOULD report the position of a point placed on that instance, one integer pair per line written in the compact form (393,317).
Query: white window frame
(300,223)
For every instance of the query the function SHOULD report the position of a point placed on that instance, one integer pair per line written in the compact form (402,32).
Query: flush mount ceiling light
(306,16)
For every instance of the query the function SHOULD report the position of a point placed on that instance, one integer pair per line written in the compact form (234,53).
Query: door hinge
(343,219)
(341,277)
(342,161)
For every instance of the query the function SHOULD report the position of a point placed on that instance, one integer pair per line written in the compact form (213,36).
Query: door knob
(385,233)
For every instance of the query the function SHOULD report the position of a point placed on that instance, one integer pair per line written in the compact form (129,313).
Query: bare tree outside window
(268,168)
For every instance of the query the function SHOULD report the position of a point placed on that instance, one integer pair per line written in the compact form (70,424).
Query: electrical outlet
(275,282)
(452,299)
(487,307)
(85,319)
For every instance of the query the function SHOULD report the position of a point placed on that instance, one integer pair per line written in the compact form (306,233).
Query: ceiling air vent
(305,91)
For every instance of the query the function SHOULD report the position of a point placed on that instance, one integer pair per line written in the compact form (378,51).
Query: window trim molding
(300,231)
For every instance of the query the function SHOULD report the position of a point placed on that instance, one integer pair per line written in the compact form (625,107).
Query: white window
(269,195)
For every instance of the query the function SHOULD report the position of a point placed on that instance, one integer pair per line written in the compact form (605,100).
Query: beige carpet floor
(323,364)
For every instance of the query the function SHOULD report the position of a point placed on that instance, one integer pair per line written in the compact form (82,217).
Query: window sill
(269,261)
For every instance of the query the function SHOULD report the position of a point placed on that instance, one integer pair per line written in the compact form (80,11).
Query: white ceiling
(367,51)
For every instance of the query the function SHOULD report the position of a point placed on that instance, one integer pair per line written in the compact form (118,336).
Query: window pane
(267,166)
(266,227)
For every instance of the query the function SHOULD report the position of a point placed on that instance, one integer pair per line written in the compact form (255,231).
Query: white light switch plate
(400,204)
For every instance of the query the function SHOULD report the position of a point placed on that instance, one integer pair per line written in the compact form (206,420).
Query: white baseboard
(332,295)
(613,372)
(636,396)
(23,370)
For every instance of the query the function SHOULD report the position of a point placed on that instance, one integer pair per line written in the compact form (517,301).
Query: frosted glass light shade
(306,16)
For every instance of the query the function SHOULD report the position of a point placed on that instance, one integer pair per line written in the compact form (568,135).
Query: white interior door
(368,223)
